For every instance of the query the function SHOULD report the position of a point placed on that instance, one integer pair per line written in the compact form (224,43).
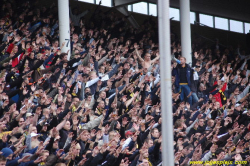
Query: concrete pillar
(166,87)
(185,30)
(64,29)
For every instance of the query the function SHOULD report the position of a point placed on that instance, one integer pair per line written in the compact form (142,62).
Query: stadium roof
(233,9)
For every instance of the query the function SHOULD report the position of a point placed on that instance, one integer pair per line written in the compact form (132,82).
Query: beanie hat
(6,152)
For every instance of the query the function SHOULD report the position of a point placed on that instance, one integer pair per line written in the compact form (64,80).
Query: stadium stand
(103,106)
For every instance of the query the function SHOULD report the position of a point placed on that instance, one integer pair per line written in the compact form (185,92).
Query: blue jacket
(176,73)
(12,162)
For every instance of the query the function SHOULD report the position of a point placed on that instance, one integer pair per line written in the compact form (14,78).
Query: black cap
(46,48)
(84,75)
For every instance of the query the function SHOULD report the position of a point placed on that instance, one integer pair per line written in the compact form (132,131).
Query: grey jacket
(243,94)
(76,18)
(92,124)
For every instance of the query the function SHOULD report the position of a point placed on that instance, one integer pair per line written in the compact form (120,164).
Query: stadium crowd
(103,107)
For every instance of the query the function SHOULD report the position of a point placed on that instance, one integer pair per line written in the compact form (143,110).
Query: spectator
(182,74)
(2,161)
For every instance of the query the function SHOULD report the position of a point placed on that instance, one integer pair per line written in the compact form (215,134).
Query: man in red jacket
(218,93)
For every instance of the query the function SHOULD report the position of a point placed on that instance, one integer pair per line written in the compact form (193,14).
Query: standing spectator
(182,73)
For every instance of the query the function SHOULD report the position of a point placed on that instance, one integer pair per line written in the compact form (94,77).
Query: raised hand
(54,132)
(136,127)
(24,159)
(4,138)
(93,133)
(82,162)
(23,110)
(59,152)
(25,91)
(38,160)
(98,135)
(70,135)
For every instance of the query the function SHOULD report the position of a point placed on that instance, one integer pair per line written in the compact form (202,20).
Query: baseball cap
(84,75)
(128,133)
(33,135)
(28,114)
(237,104)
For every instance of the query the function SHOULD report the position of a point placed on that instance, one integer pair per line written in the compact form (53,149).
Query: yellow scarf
(6,132)
(149,163)
(99,112)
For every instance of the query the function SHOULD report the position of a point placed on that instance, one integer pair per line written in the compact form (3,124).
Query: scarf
(223,97)
(149,163)
(42,163)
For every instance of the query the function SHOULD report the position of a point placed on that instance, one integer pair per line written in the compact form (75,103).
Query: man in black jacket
(182,73)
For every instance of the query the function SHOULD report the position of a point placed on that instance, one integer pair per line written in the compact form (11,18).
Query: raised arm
(173,56)
(83,13)
(156,58)
(86,59)
(243,94)
(100,62)
(60,125)
(91,82)
(128,102)
(138,55)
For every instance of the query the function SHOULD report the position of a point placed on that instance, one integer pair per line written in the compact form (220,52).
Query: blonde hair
(178,123)
(92,73)
(183,58)
(78,145)
(43,152)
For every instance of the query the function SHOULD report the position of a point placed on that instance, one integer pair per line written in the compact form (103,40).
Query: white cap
(28,114)
(33,134)
(237,105)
